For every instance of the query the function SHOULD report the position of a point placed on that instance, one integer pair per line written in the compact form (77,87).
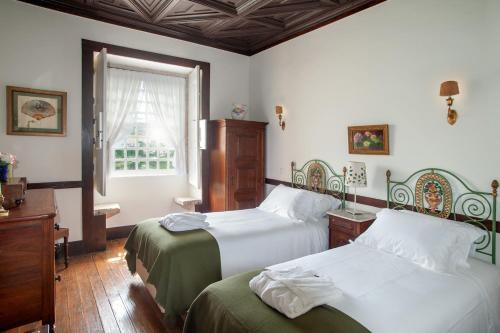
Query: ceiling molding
(241,26)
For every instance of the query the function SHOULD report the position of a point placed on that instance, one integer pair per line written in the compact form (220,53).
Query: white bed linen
(388,294)
(252,239)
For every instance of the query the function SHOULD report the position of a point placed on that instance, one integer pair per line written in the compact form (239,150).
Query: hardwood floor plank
(142,299)
(62,319)
(75,308)
(91,313)
(115,301)
(108,319)
(130,298)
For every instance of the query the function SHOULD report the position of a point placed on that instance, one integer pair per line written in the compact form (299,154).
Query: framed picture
(372,139)
(36,112)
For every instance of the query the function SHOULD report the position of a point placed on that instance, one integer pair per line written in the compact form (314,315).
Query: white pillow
(433,243)
(288,202)
(474,230)
(322,203)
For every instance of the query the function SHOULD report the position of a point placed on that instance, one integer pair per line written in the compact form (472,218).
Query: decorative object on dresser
(3,211)
(14,191)
(27,276)
(36,112)
(370,139)
(345,227)
(356,177)
(239,111)
(450,88)
(279,114)
(236,164)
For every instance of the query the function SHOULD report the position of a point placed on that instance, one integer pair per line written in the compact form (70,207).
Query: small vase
(11,171)
(239,112)
(4,173)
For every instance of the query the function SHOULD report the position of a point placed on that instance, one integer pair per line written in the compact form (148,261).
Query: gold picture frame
(369,139)
(36,112)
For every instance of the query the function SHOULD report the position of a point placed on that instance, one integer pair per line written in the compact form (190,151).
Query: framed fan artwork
(36,112)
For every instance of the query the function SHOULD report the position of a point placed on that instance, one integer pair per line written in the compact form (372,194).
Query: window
(143,146)
(142,155)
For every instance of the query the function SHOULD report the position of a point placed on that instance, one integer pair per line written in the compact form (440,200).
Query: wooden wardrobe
(27,274)
(236,164)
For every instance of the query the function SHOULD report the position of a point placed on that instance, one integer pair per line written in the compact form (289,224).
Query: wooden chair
(62,233)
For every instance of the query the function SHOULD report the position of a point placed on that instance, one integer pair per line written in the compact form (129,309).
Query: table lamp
(355,177)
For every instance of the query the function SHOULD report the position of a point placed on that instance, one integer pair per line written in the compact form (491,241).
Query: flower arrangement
(368,140)
(7,163)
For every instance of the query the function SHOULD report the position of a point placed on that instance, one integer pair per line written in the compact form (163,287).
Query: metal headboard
(318,176)
(432,194)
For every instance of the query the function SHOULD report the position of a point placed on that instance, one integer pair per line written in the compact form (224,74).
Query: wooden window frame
(93,230)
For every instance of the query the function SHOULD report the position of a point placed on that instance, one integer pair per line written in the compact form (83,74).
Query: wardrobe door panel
(246,168)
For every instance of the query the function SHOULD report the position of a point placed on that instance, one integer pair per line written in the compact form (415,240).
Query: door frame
(93,233)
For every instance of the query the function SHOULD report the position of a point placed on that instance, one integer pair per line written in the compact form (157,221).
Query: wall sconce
(450,88)
(279,113)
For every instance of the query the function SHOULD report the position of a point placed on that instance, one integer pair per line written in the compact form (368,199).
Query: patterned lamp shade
(356,174)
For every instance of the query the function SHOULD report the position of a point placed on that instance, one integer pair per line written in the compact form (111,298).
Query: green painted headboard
(430,191)
(318,176)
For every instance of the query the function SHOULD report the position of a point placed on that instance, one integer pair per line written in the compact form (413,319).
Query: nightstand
(345,226)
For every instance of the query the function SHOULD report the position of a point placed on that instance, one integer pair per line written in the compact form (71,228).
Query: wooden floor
(98,294)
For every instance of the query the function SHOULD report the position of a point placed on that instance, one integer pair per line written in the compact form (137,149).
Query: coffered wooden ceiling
(242,26)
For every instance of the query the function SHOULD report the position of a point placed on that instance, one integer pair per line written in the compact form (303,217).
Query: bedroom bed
(383,292)
(177,266)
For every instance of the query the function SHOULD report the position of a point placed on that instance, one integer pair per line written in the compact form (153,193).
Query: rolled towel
(293,292)
(184,221)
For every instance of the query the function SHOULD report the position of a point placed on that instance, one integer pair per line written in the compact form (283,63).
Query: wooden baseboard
(76,248)
(119,232)
(56,185)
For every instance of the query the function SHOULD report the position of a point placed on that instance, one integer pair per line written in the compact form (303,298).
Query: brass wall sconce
(279,113)
(450,88)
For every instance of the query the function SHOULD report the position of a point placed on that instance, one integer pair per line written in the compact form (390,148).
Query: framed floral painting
(36,112)
(370,139)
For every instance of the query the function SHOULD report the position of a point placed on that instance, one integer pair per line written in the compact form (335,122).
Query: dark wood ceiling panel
(242,26)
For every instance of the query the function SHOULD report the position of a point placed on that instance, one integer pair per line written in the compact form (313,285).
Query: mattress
(252,239)
(388,294)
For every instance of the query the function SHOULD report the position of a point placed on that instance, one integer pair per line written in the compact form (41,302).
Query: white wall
(385,65)
(42,49)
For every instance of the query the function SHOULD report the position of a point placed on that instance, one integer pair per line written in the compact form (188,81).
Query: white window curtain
(164,98)
(123,92)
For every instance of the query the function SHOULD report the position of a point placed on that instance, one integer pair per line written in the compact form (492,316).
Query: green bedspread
(180,264)
(230,306)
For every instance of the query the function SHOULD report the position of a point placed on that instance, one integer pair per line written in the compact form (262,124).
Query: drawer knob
(58,278)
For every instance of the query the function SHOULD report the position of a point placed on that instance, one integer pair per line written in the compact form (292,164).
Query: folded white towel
(184,221)
(293,292)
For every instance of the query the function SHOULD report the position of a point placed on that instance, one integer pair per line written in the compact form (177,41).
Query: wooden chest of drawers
(27,291)
(344,226)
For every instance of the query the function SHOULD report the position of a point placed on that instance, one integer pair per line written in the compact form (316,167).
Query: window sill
(144,175)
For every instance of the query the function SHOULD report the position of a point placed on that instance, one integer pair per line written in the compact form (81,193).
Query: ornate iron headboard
(433,195)
(318,176)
